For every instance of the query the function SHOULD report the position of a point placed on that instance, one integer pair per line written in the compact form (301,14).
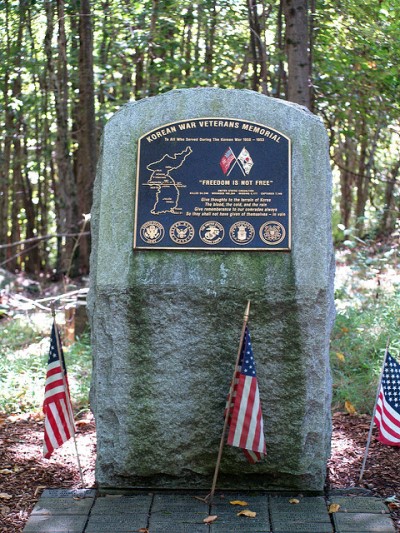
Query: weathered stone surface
(363,522)
(165,325)
(55,524)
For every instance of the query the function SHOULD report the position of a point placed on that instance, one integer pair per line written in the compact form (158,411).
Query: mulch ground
(24,473)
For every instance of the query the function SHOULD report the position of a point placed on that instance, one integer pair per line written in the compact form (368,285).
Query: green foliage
(24,348)
(368,311)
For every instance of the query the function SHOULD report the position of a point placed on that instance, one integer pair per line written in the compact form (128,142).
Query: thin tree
(297,47)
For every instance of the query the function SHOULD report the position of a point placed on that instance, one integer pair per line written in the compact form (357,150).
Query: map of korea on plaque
(216,184)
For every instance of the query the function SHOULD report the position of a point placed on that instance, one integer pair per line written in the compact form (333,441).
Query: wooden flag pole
(68,402)
(373,414)
(210,497)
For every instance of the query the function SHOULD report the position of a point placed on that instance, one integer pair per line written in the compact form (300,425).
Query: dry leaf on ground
(248,513)
(238,502)
(294,501)
(349,407)
(210,519)
(333,508)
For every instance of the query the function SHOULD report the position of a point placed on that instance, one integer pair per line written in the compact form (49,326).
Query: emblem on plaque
(181,232)
(241,232)
(272,232)
(211,232)
(152,232)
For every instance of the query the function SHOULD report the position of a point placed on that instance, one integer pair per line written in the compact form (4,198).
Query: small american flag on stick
(58,423)
(246,428)
(387,414)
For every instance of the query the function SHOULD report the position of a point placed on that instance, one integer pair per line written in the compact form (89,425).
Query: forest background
(67,66)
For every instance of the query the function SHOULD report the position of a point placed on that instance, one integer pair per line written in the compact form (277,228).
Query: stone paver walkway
(84,511)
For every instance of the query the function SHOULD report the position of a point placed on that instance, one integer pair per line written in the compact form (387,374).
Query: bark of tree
(364,173)
(31,259)
(257,46)
(297,46)
(211,27)
(17,155)
(391,211)
(67,200)
(187,41)
(346,158)
(86,155)
(281,84)
(5,162)
(151,65)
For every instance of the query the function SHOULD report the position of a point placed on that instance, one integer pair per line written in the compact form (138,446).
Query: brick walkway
(83,511)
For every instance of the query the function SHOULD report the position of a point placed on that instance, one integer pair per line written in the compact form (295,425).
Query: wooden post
(210,497)
(373,414)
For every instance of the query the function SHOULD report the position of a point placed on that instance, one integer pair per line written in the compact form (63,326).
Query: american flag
(246,422)
(226,160)
(58,423)
(387,414)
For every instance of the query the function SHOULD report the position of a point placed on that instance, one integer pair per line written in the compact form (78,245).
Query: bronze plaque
(213,184)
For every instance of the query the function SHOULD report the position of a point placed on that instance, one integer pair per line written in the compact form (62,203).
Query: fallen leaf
(349,407)
(294,500)
(238,502)
(143,530)
(6,471)
(340,356)
(393,506)
(5,496)
(39,415)
(4,510)
(210,519)
(333,508)
(247,512)
(80,423)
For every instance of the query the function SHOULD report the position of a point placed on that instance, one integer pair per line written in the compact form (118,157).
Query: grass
(367,298)
(24,348)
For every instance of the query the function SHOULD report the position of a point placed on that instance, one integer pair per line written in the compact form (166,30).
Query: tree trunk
(257,47)
(17,157)
(187,41)
(391,212)
(68,211)
(5,161)
(210,39)
(151,65)
(346,153)
(363,179)
(281,84)
(31,258)
(86,133)
(297,43)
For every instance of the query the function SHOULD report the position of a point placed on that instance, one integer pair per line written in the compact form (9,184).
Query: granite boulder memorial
(204,199)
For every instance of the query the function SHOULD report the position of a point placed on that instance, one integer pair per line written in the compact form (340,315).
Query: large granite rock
(165,325)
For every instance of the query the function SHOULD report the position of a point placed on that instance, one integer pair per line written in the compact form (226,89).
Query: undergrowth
(24,349)
(367,299)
